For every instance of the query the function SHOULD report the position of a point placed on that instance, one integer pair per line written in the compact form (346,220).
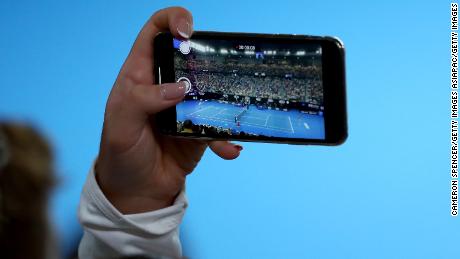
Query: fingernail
(184,28)
(172,91)
(238,147)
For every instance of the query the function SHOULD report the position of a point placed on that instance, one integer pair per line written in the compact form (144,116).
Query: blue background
(383,194)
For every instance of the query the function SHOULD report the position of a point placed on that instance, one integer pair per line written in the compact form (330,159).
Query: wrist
(130,197)
(133,201)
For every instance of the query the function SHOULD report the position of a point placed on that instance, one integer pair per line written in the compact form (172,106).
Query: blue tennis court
(275,123)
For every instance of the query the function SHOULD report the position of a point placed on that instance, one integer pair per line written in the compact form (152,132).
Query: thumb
(152,99)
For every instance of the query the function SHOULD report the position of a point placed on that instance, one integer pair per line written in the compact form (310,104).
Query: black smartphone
(254,87)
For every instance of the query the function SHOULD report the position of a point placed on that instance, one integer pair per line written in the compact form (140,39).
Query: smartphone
(254,87)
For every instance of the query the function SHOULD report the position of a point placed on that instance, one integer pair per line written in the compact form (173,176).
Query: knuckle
(172,11)
(129,95)
(133,77)
(181,10)
(157,13)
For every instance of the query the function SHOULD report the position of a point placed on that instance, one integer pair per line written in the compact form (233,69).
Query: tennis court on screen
(290,124)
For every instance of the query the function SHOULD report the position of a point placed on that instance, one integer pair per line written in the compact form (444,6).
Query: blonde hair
(26,178)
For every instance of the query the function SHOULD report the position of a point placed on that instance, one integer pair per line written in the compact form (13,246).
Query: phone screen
(256,88)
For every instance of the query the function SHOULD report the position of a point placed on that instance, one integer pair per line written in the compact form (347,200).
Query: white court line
(205,108)
(244,116)
(249,124)
(266,121)
(221,111)
(306,126)
(290,123)
(213,118)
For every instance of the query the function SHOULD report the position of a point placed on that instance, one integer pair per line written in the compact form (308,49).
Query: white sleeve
(110,234)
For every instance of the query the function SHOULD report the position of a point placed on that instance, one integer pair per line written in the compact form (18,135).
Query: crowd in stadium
(277,79)
(250,66)
(276,88)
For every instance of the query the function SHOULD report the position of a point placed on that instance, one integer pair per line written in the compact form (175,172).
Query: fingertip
(184,28)
(239,147)
(230,155)
(183,23)
(226,150)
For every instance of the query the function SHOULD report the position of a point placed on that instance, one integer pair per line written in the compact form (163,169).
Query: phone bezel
(333,63)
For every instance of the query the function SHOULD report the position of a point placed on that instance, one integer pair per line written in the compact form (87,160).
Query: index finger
(139,64)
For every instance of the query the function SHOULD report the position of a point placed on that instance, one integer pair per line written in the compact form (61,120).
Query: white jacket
(110,234)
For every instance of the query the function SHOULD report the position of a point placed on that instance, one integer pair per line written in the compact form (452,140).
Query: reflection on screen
(250,89)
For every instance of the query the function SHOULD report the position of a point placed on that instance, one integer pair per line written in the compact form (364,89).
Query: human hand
(138,169)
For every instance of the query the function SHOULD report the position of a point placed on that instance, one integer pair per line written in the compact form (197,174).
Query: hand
(139,169)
